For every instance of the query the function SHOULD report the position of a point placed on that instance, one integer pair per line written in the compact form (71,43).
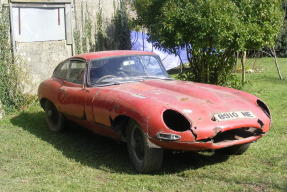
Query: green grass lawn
(34,159)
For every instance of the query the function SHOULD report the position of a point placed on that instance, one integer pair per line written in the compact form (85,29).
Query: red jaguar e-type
(128,95)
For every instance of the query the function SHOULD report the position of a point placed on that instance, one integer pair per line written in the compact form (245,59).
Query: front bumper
(199,146)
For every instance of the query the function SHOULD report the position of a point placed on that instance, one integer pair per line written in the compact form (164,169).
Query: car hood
(198,102)
(182,95)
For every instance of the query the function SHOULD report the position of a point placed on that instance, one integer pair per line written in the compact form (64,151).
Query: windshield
(126,68)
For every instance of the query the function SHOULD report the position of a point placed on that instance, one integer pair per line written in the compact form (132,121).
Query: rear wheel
(55,119)
(234,150)
(145,159)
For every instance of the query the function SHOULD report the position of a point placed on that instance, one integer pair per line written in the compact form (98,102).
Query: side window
(61,70)
(77,71)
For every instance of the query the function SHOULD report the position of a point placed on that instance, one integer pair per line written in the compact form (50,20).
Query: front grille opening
(234,134)
(237,134)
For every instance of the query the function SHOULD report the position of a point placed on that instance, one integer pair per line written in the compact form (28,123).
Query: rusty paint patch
(116,107)
(217,130)
(184,99)
(210,102)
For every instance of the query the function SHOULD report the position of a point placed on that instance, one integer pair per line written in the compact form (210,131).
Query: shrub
(210,31)
(11,95)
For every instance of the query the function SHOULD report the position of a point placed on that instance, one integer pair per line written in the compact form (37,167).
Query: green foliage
(281,44)
(77,41)
(260,21)
(11,95)
(105,35)
(117,33)
(87,33)
(211,31)
(83,36)
(122,31)
(100,36)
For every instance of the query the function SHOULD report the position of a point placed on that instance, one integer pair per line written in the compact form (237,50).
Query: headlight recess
(264,108)
(176,121)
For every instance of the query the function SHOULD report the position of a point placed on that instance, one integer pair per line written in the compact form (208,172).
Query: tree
(281,45)
(122,29)
(212,31)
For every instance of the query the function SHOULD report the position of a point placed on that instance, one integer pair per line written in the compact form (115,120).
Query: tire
(234,150)
(145,159)
(55,119)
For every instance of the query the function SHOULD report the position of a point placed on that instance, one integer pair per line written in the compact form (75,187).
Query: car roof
(103,54)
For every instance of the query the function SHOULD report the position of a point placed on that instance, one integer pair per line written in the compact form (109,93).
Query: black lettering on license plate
(234,115)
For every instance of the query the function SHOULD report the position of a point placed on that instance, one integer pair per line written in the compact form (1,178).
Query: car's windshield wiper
(117,82)
(103,84)
(156,77)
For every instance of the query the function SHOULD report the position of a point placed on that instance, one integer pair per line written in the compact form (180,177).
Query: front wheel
(55,119)
(234,150)
(145,159)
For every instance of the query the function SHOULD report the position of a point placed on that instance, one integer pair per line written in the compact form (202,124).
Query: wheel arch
(43,101)
(120,123)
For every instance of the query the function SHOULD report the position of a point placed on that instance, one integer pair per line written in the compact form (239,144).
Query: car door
(72,94)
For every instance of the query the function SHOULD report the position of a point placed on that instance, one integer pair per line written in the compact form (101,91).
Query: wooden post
(276,62)
(243,62)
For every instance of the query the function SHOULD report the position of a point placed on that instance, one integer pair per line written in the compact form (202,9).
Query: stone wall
(3,2)
(86,12)
(39,59)
(93,7)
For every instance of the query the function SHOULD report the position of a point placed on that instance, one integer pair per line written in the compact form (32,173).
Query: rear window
(61,70)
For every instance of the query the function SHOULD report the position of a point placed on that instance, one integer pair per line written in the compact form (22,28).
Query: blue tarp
(139,42)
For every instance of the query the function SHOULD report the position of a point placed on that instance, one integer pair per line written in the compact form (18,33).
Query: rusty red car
(128,96)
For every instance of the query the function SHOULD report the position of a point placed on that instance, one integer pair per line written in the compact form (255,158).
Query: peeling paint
(187,111)
(138,96)
(210,102)
(217,130)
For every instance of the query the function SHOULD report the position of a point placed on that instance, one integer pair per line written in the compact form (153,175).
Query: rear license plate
(234,115)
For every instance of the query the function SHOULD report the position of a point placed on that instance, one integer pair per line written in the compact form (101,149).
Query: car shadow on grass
(103,153)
